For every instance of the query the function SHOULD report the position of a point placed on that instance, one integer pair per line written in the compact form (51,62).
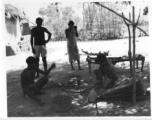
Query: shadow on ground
(19,106)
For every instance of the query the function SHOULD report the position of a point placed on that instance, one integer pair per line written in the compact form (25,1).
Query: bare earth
(18,106)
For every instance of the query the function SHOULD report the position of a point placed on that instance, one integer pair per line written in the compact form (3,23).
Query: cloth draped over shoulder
(72,48)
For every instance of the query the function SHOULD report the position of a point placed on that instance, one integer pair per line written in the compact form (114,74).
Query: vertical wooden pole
(129,52)
(134,78)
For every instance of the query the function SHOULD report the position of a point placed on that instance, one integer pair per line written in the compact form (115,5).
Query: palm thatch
(11,11)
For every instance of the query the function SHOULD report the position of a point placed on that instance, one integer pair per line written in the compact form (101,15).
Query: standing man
(39,47)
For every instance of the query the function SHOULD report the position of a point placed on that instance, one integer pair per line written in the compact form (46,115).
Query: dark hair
(71,22)
(30,60)
(39,19)
(101,58)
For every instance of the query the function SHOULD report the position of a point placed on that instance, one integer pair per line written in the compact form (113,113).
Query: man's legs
(41,82)
(44,63)
(44,54)
(37,55)
(79,64)
(79,67)
(37,59)
(72,66)
(27,91)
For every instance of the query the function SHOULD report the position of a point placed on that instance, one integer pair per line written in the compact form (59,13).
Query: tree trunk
(134,78)
(83,23)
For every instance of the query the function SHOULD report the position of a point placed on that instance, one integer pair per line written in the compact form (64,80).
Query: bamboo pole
(134,78)
(129,52)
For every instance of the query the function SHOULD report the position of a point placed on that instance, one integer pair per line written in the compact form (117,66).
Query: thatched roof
(12,11)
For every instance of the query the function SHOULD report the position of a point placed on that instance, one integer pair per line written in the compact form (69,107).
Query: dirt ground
(19,106)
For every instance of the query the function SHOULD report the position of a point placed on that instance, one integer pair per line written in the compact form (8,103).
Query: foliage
(56,19)
(145,11)
(97,23)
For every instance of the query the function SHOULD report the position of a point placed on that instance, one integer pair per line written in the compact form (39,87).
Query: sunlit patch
(132,111)
(148,89)
(76,103)
(104,105)
(85,84)
(21,106)
(145,110)
(89,106)
(76,99)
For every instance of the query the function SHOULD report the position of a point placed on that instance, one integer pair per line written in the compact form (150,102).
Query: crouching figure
(29,86)
(106,74)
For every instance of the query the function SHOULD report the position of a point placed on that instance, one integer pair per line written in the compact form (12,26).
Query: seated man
(106,73)
(28,76)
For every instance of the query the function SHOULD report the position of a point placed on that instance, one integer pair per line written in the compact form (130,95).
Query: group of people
(38,44)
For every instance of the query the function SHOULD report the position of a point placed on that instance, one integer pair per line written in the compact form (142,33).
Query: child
(27,79)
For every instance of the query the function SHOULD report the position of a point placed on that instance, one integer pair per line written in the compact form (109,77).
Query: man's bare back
(28,76)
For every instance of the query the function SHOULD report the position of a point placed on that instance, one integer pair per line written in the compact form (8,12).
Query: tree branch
(125,20)
(138,18)
(97,3)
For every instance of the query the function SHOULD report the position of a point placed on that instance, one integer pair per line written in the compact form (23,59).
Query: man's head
(101,58)
(39,21)
(71,23)
(31,61)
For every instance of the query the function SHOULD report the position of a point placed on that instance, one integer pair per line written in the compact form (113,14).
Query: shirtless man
(39,47)
(28,84)
(106,70)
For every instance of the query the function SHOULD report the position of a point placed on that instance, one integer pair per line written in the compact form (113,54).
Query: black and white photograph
(77,58)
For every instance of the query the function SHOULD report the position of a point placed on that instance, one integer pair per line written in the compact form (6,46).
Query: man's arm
(76,31)
(66,33)
(48,71)
(33,50)
(49,35)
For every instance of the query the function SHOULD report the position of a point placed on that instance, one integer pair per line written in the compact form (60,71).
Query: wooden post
(129,52)
(134,78)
